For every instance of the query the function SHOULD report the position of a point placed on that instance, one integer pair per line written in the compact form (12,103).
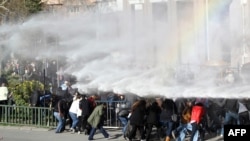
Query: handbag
(174,117)
(123,113)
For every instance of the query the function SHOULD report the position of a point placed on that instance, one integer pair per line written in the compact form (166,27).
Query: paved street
(9,133)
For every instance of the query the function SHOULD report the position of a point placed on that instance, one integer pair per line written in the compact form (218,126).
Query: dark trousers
(79,124)
(101,129)
(133,132)
(2,109)
(149,128)
(84,122)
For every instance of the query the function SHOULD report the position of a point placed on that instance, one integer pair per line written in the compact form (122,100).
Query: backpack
(123,113)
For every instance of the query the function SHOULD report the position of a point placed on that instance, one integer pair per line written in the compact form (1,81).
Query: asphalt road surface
(10,133)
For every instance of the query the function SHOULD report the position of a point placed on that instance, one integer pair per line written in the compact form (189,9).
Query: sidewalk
(13,133)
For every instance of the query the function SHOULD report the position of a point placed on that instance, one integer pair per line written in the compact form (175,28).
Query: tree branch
(3,7)
(3,2)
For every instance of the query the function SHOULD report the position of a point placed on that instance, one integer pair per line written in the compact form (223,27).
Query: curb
(25,128)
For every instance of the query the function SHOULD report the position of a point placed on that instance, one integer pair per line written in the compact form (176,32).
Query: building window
(159,11)
(74,9)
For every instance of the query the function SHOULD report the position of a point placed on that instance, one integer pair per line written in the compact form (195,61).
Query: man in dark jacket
(84,105)
(231,107)
(153,118)
(60,110)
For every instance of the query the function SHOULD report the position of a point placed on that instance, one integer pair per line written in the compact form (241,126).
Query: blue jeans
(102,130)
(228,117)
(61,122)
(74,119)
(180,127)
(184,131)
(169,125)
(124,122)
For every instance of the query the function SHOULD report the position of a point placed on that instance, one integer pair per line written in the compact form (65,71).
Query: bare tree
(2,6)
(18,10)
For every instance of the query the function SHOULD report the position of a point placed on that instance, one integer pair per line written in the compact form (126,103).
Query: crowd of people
(177,119)
(150,116)
(85,114)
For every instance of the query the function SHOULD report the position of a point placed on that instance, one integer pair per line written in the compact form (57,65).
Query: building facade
(200,30)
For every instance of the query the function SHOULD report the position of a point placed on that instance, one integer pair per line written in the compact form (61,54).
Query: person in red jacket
(196,117)
(197,114)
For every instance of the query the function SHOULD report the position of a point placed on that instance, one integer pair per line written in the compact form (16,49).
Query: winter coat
(95,117)
(138,116)
(61,107)
(186,115)
(231,105)
(197,113)
(74,107)
(153,114)
(84,105)
(168,109)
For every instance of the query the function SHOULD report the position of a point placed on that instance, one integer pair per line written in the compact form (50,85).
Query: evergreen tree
(33,6)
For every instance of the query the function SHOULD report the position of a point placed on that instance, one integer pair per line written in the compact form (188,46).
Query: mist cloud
(111,52)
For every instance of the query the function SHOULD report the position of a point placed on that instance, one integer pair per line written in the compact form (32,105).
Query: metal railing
(43,116)
(25,115)
(113,107)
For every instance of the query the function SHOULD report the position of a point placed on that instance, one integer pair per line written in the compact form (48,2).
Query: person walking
(59,113)
(74,109)
(153,119)
(123,117)
(96,120)
(185,118)
(137,119)
(196,118)
(85,107)
(231,107)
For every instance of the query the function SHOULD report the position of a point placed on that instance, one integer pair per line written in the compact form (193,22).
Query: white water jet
(106,53)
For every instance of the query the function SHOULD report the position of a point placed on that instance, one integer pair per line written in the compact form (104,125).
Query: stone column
(173,45)
(201,30)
